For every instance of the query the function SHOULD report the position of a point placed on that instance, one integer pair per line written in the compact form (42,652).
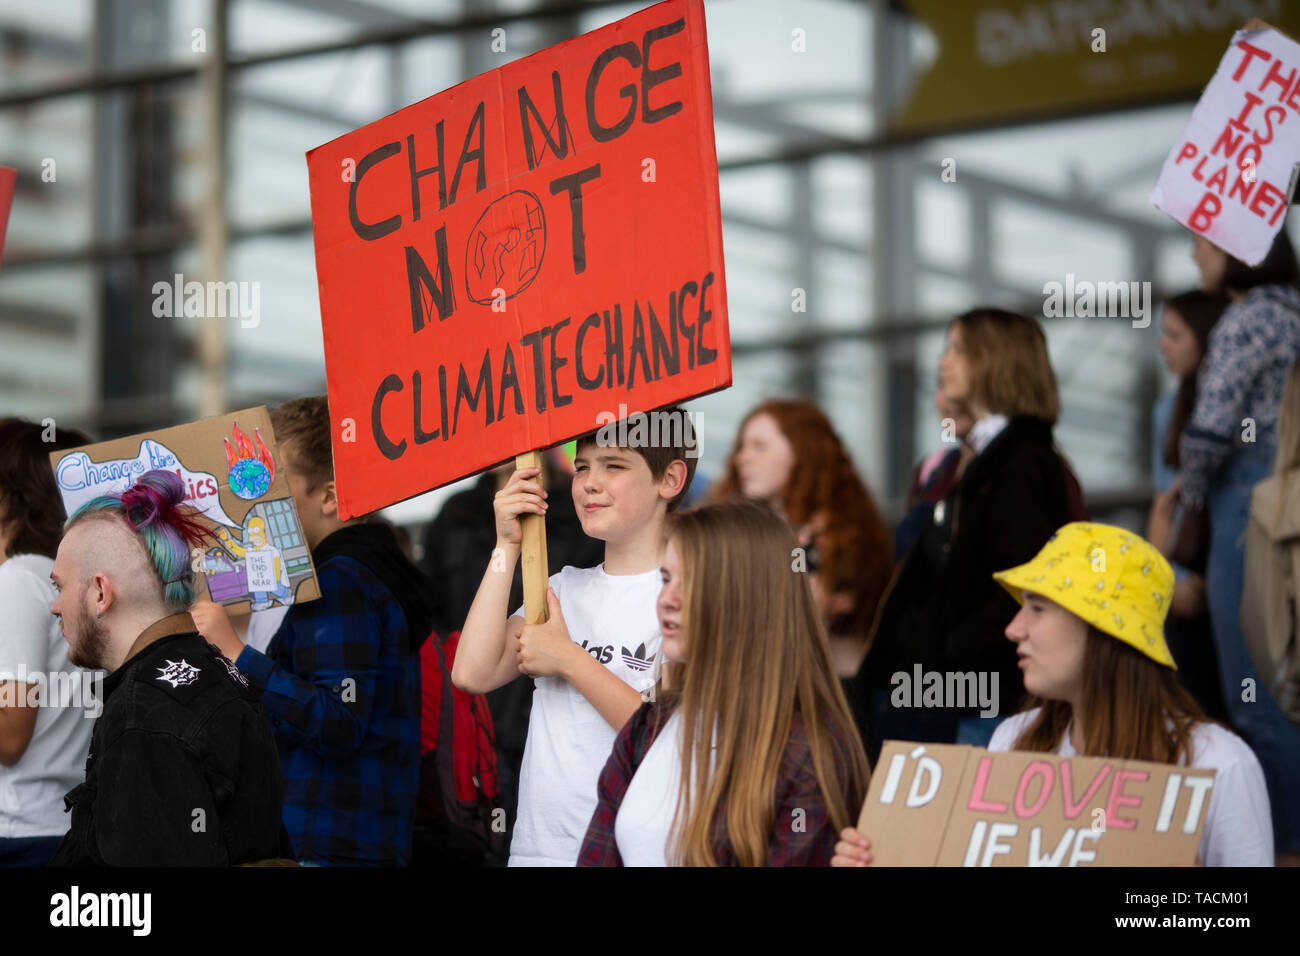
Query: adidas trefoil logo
(637,659)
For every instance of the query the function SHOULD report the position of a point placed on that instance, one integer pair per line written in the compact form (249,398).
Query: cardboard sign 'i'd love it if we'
(952,805)
(502,262)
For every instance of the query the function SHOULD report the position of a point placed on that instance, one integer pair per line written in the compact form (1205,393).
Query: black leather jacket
(182,769)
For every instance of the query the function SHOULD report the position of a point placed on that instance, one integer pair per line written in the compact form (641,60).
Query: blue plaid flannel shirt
(342,690)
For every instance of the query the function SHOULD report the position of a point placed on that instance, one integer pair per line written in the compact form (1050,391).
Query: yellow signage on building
(1007,59)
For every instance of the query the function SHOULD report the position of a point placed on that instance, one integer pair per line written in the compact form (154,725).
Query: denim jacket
(182,769)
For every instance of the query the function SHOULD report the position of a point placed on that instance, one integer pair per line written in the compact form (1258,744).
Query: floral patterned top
(1251,350)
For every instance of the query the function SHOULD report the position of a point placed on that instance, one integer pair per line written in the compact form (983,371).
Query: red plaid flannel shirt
(799,839)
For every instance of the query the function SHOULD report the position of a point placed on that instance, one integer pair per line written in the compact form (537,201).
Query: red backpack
(458,821)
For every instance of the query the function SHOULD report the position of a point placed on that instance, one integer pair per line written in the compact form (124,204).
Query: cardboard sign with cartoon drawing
(257,555)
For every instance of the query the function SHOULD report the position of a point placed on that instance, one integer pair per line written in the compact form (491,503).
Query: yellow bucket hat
(1113,579)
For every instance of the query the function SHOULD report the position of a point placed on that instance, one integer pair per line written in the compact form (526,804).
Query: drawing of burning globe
(505,249)
(251,469)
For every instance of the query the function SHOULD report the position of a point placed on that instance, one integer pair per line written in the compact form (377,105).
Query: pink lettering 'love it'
(1118,798)
(1073,809)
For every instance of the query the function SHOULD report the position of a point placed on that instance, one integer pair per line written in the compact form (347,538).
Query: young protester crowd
(712,682)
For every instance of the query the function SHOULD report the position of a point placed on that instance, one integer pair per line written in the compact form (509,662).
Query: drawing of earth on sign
(505,248)
(80,479)
(251,471)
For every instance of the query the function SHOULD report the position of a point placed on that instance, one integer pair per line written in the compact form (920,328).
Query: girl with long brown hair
(788,455)
(1102,683)
(1186,324)
(748,756)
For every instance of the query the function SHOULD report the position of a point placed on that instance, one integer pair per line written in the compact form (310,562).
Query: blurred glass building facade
(156,137)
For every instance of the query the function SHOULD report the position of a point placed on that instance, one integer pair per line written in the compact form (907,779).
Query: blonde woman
(749,755)
(943,612)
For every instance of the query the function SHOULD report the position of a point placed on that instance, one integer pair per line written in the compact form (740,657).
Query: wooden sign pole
(532,557)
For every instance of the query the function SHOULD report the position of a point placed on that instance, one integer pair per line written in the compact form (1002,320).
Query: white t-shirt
(1238,828)
(645,817)
(644,821)
(33,651)
(614,618)
(263,625)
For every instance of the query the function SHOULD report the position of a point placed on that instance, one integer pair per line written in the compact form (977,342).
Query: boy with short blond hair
(595,656)
(340,680)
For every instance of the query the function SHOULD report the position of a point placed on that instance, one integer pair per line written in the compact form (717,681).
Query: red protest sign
(1227,176)
(7,179)
(502,262)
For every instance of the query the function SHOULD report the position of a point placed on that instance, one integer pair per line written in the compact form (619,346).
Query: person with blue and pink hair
(183,769)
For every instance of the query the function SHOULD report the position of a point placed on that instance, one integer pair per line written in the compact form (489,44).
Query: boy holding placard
(594,657)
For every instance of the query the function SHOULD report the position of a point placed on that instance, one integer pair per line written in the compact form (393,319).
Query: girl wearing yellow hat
(1090,643)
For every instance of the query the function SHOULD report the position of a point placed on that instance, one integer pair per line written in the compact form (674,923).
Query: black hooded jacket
(375,546)
(943,609)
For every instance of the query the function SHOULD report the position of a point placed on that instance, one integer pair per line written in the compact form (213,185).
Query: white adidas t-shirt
(1238,828)
(33,651)
(614,618)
